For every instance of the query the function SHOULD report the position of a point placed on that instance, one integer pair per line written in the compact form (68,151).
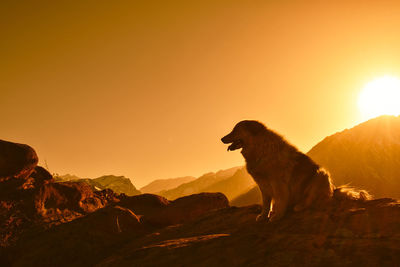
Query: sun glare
(380,97)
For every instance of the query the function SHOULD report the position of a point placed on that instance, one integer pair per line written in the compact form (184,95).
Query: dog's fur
(288,179)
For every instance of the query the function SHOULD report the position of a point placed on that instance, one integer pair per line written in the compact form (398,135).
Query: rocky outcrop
(149,206)
(30,199)
(347,233)
(36,202)
(78,242)
(111,220)
(31,202)
(191,207)
(16,160)
(43,223)
(85,236)
(65,201)
(158,211)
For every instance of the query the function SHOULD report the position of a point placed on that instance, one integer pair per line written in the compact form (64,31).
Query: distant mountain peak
(231,182)
(165,184)
(366,156)
(119,184)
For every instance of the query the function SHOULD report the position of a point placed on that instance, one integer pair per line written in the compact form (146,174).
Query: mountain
(66,177)
(365,156)
(252,196)
(119,184)
(165,184)
(230,182)
(233,186)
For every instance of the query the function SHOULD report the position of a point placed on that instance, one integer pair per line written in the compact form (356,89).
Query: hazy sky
(146,89)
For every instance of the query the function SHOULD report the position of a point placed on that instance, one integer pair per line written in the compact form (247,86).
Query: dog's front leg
(279,205)
(266,205)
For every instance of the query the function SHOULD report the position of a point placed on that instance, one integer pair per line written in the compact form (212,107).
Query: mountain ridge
(206,183)
(119,184)
(159,185)
(366,156)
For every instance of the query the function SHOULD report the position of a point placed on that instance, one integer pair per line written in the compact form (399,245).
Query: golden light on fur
(380,97)
(288,179)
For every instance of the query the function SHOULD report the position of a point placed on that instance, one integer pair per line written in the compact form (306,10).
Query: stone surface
(16,160)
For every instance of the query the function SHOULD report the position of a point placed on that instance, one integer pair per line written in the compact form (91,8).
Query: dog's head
(243,134)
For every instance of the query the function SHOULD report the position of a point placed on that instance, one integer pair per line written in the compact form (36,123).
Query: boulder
(149,206)
(55,201)
(158,211)
(39,177)
(112,220)
(145,204)
(109,196)
(16,160)
(191,207)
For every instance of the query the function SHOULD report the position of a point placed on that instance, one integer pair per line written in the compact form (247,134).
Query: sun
(380,97)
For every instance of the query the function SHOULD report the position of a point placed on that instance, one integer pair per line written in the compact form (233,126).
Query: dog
(288,179)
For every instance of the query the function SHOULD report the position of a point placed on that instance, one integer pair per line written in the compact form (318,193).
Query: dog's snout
(226,139)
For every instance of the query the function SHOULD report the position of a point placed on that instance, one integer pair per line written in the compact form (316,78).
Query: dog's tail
(346,192)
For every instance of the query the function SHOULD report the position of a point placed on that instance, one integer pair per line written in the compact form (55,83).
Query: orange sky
(147,90)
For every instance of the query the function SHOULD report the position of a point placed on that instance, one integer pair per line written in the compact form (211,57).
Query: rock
(191,207)
(38,178)
(109,196)
(151,207)
(113,220)
(36,203)
(78,242)
(158,211)
(75,197)
(41,176)
(16,160)
(31,201)
(347,233)
(145,204)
